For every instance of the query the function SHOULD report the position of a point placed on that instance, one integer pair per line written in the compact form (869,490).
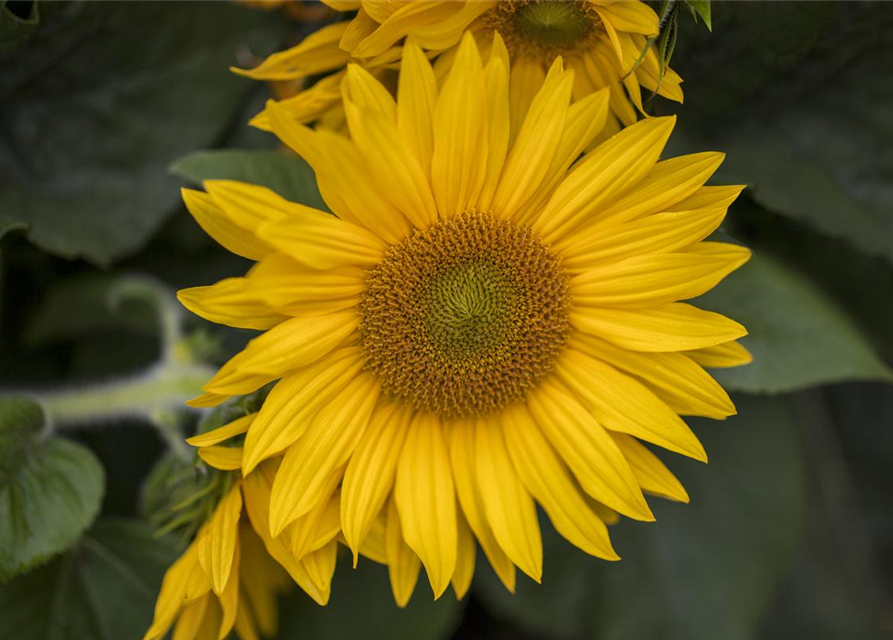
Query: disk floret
(544,28)
(462,318)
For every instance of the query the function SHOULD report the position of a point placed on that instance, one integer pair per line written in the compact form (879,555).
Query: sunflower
(481,326)
(231,574)
(605,42)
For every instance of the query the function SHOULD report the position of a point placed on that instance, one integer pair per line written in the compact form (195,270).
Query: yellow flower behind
(605,42)
(230,576)
(487,322)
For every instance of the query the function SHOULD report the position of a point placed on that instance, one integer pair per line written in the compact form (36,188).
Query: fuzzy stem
(161,387)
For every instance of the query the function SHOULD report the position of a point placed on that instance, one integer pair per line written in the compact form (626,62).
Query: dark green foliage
(50,489)
(104,588)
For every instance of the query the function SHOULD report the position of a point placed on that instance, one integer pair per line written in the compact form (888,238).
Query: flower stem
(165,386)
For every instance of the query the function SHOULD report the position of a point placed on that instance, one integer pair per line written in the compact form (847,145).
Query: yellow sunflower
(604,41)
(229,578)
(482,325)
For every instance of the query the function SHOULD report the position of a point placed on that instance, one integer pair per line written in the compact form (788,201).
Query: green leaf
(92,119)
(104,589)
(362,607)
(289,176)
(703,570)
(702,9)
(800,102)
(50,489)
(798,335)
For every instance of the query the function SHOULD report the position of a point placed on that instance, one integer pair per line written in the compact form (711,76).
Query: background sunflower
(788,528)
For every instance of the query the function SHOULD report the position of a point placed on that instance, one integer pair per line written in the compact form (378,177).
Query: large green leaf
(799,337)
(703,570)
(104,589)
(50,489)
(289,176)
(101,101)
(362,607)
(799,96)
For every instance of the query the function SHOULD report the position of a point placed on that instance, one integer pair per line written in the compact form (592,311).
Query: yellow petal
(392,165)
(401,22)
(673,377)
(536,143)
(712,198)
(458,165)
(323,450)
(672,327)
(296,399)
(465,558)
(588,450)
(218,539)
(222,458)
(191,620)
(374,546)
(416,97)
(509,509)
(635,17)
(256,488)
(320,525)
(207,400)
(294,289)
(320,566)
(229,598)
(620,403)
(653,280)
(669,183)
(721,356)
(362,89)
(650,472)
(585,118)
(463,460)
(526,77)
(219,226)
(306,106)
(445,33)
(496,78)
(231,302)
(323,241)
(369,477)
(220,434)
(343,177)
(291,345)
(403,563)
(550,482)
(658,233)
(603,175)
(173,587)
(426,500)
(318,52)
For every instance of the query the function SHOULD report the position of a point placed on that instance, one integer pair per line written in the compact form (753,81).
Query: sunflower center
(544,28)
(462,318)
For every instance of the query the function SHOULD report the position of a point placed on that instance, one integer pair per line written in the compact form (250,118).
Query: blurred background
(107,108)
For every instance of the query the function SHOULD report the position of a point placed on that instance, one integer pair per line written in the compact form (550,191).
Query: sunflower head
(462,318)
(492,318)
(545,29)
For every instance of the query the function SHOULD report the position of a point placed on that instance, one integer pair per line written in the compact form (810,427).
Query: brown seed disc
(464,317)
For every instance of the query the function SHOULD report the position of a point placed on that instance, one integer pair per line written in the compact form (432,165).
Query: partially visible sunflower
(606,43)
(483,325)
(232,573)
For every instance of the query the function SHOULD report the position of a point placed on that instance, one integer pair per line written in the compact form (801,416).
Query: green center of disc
(553,24)
(470,307)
